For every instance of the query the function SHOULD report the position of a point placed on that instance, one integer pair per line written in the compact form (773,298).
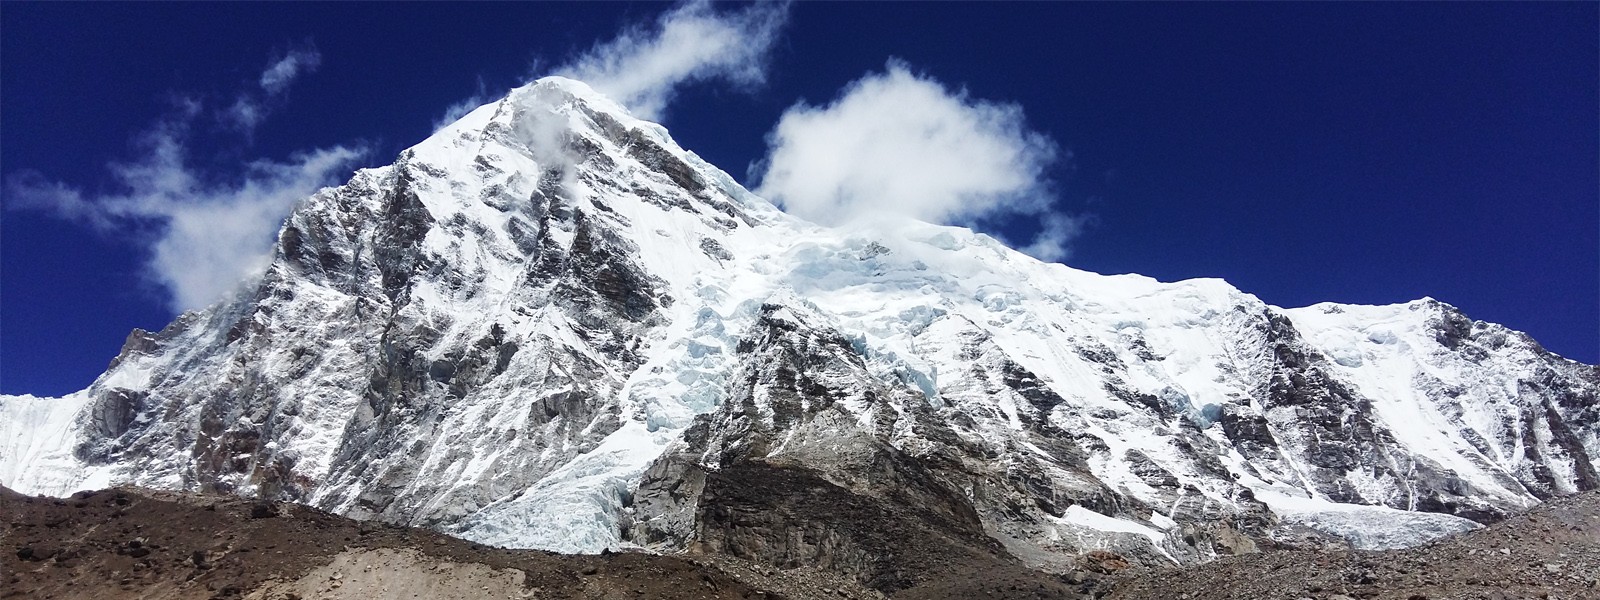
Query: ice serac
(549,326)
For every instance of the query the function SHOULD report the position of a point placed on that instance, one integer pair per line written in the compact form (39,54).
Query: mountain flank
(548,326)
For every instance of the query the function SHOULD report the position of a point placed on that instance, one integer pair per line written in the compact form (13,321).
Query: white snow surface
(922,303)
(1083,517)
(1366,527)
(36,444)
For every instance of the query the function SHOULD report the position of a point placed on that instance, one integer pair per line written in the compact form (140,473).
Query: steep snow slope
(544,324)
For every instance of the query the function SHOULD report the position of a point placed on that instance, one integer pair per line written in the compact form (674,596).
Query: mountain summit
(549,326)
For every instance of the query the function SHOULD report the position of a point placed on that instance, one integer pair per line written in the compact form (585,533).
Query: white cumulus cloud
(901,143)
(643,67)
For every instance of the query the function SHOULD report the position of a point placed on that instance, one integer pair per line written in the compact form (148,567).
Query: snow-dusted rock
(547,323)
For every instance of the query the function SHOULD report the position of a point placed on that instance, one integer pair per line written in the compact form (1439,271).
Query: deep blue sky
(1365,153)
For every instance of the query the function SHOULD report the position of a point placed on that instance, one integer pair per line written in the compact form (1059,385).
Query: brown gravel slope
(899,544)
(128,543)
(1551,551)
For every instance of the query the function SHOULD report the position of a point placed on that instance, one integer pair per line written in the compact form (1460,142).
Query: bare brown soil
(128,543)
(131,543)
(900,545)
(1551,551)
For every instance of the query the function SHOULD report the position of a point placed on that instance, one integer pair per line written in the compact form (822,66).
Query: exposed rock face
(549,326)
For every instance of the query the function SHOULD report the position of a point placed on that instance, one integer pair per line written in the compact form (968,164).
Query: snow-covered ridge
(508,333)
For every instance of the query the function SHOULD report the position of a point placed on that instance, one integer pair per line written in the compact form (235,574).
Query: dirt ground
(130,543)
(1551,551)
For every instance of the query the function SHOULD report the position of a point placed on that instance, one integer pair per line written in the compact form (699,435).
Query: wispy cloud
(246,113)
(902,143)
(251,107)
(204,232)
(643,67)
(460,109)
(1056,233)
(276,79)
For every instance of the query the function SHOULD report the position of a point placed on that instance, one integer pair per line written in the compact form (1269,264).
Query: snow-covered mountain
(549,326)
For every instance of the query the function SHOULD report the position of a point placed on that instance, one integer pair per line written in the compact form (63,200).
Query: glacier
(538,325)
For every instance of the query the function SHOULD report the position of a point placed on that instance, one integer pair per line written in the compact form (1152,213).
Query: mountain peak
(547,324)
(538,100)
(577,90)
